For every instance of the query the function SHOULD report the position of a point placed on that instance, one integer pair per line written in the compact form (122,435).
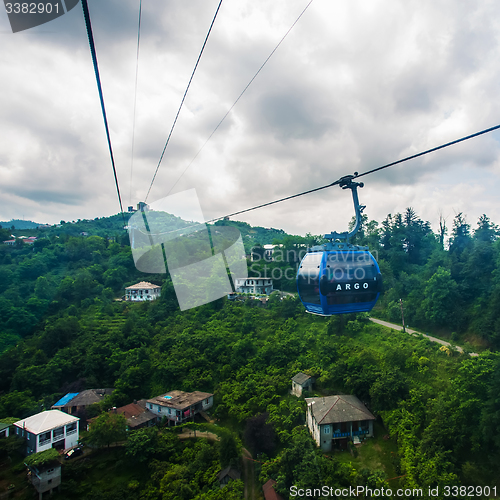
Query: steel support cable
(337,182)
(86,15)
(240,96)
(183,98)
(135,99)
(496,127)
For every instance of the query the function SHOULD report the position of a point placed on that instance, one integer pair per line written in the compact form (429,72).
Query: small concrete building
(301,382)
(45,478)
(338,419)
(254,285)
(48,429)
(140,292)
(179,406)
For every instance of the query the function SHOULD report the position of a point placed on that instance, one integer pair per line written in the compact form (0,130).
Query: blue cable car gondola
(338,277)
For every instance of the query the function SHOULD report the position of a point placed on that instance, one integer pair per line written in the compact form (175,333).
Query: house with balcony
(143,291)
(253,285)
(48,429)
(179,406)
(334,420)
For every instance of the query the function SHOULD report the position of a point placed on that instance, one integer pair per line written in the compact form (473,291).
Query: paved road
(416,334)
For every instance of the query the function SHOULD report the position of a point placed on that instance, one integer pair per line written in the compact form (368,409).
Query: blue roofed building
(75,403)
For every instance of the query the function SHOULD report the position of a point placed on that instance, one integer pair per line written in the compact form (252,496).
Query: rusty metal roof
(336,409)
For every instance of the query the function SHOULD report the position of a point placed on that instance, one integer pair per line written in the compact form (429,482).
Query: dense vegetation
(63,331)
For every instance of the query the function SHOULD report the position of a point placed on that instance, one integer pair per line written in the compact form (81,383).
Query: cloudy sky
(355,85)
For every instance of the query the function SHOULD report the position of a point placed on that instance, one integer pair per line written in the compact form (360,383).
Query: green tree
(106,429)
(142,444)
(441,297)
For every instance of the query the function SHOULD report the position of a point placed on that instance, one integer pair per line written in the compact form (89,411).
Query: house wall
(143,294)
(326,437)
(296,389)
(44,441)
(254,285)
(208,403)
(179,415)
(47,480)
(313,426)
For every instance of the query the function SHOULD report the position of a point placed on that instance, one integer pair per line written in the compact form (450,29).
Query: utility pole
(402,315)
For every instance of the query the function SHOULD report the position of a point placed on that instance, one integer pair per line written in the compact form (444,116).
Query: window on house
(57,433)
(327,429)
(150,406)
(71,428)
(44,437)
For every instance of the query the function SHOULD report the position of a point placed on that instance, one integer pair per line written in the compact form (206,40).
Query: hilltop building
(254,285)
(338,419)
(140,292)
(301,382)
(137,415)
(75,402)
(48,429)
(45,477)
(179,406)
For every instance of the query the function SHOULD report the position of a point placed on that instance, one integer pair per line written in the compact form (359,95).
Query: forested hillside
(62,331)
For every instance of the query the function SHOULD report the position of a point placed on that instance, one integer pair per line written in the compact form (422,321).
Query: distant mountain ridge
(20,224)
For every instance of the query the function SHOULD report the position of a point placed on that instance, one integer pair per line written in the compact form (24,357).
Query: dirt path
(416,334)
(248,475)
(198,434)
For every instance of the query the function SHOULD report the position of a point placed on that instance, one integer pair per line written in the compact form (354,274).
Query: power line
(430,150)
(239,97)
(356,175)
(86,15)
(183,98)
(135,99)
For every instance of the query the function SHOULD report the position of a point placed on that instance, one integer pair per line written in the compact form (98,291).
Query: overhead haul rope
(135,99)
(183,98)
(86,15)
(356,175)
(240,96)
(346,178)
